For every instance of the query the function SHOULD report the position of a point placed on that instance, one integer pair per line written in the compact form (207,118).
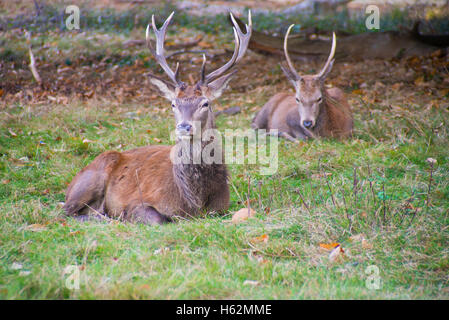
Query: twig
(431,162)
(303,201)
(32,60)
(38,9)
(371,185)
(248,196)
(384,196)
(354,190)
(346,210)
(330,190)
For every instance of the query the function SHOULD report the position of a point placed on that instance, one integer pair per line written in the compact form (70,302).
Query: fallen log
(356,47)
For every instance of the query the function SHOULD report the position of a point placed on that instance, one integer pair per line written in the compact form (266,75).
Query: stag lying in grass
(313,111)
(143,184)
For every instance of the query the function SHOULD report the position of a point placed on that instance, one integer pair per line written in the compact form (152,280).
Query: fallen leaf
(329,246)
(366,244)
(357,237)
(251,282)
(336,253)
(16,266)
(161,250)
(321,175)
(243,215)
(12,133)
(262,238)
(36,227)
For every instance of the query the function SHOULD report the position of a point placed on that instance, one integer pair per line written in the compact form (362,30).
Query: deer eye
(173,105)
(205,105)
(297,100)
(319,99)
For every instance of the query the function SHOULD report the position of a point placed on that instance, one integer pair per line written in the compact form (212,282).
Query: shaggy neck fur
(196,181)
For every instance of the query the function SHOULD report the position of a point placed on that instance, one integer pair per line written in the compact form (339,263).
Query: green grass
(210,257)
(43,145)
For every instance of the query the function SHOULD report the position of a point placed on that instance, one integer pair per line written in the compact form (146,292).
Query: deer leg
(284,135)
(86,191)
(145,214)
(90,217)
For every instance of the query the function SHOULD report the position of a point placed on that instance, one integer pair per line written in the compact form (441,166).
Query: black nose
(184,126)
(307,124)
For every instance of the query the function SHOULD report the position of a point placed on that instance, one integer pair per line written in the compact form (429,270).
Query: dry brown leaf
(321,175)
(12,133)
(336,253)
(251,282)
(243,215)
(366,244)
(36,227)
(357,237)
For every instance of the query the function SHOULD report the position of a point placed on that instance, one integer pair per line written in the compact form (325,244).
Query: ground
(382,196)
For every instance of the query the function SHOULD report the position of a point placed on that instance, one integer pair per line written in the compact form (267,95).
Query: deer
(144,185)
(313,111)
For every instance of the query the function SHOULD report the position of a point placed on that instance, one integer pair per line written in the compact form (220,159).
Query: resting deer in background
(143,184)
(313,111)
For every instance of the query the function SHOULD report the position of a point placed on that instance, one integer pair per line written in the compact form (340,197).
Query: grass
(210,257)
(375,185)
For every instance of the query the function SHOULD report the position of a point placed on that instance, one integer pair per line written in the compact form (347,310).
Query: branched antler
(159,52)
(241,45)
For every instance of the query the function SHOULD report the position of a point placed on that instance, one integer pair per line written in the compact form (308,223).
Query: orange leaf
(262,238)
(329,246)
(242,215)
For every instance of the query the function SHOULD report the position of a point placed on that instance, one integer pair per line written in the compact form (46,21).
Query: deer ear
(166,89)
(327,71)
(290,76)
(217,87)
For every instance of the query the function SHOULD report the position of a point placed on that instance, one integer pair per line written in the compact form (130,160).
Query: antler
(331,55)
(241,44)
(287,57)
(159,52)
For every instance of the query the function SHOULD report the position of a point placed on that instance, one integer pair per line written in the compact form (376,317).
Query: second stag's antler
(241,45)
(292,71)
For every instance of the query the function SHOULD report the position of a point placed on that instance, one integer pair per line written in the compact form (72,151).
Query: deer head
(309,88)
(191,104)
